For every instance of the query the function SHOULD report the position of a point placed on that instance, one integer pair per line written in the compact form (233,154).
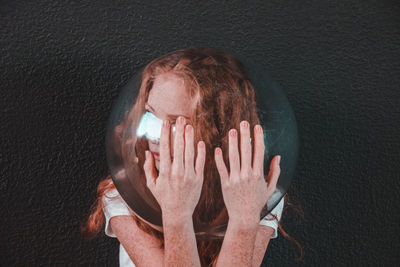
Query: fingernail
(201,144)
(146,154)
(279,159)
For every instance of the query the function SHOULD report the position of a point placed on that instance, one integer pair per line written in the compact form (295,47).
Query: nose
(154,145)
(154,142)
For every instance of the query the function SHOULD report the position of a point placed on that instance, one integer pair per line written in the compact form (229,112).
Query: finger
(149,170)
(245,147)
(234,160)
(201,159)
(259,150)
(221,167)
(189,149)
(274,173)
(165,156)
(179,143)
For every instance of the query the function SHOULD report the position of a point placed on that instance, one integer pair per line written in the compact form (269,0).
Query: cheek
(155,147)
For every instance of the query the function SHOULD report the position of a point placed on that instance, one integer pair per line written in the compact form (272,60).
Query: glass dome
(130,127)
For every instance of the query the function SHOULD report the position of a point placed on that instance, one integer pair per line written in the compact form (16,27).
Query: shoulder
(143,248)
(277,210)
(113,206)
(270,221)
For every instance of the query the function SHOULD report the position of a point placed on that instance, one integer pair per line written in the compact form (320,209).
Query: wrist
(245,223)
(172,219)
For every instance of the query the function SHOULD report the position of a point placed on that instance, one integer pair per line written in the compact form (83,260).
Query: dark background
(64,62)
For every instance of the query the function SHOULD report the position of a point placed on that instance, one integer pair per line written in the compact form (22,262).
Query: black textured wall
(62,65)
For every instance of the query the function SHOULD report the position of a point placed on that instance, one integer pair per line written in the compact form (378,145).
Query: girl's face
(167,100)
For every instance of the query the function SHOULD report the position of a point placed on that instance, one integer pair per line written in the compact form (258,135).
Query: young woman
(210,170)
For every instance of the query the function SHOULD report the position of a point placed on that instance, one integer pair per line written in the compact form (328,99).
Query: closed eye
(172,121)
(171,118)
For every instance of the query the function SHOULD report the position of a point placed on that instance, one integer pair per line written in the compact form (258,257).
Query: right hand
(177,188)
(244,189)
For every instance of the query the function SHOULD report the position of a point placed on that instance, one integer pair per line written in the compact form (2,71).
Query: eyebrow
(169,116)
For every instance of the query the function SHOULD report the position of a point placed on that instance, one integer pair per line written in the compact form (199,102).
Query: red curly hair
(225,97)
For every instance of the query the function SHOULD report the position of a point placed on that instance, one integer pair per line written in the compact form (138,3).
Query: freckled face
(168,99)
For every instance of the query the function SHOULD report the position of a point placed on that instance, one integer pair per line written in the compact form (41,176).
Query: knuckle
(262,147)
(163,137)
(225,185)
(272,188)
(148,184)
(246,174)
(235,183)
(180,126)
(163,173)
(164,145)
(187,175)
(244,177)
(257,175)
(190,180)
(278,170)
(177,174)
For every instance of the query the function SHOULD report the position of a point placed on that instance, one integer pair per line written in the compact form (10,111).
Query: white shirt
(117,206)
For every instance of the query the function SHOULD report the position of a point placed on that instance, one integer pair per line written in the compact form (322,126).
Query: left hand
(244,189)
(177,188)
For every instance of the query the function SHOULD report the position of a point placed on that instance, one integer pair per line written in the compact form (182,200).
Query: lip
(156,155)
